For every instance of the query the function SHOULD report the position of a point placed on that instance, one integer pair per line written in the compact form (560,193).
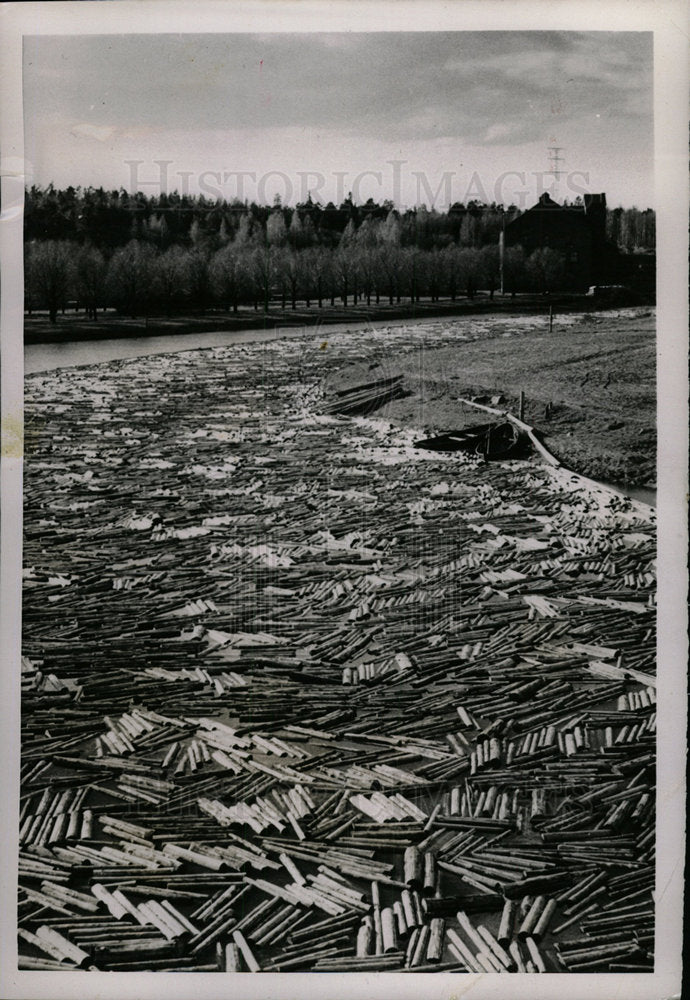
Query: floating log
(199,788)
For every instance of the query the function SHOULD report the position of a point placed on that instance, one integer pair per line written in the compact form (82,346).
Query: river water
(72,353)
(646,494)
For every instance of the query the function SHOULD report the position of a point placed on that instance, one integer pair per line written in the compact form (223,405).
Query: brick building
(576,231)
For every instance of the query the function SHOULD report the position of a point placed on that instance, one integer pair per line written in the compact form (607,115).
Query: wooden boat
(492,440)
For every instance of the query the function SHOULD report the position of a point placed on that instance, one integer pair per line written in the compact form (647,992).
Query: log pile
(367,397)
(300,696)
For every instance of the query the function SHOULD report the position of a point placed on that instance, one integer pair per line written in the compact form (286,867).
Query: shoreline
(436,373)
(216,338)
(39,331)
(585,383)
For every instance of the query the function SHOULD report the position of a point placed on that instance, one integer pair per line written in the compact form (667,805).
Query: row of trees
(110,219)
(139,280)
(630,229)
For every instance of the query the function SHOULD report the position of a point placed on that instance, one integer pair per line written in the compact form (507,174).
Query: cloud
(390,83)
(500,91)
(499,132)
(101,133)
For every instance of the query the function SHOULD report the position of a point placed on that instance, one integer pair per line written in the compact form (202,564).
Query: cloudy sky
(416,117)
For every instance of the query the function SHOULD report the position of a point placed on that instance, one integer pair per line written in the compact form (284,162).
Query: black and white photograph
(344,499)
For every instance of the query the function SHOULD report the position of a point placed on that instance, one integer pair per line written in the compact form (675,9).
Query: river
(72,353)
(646,494)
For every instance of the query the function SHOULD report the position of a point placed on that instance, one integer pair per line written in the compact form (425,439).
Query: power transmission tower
(555,161)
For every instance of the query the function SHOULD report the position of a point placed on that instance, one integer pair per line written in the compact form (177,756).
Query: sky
(417,117)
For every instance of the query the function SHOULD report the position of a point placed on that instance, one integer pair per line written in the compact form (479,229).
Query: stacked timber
(368,396)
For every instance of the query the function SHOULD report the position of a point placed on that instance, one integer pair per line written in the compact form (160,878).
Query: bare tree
(293,268)
(490,268)
(450,270)
(90,276)
(264,268)
(546,267)
(247,234)
(468,269)
(130,277)
(366,239)
(169,273)
(388,267)
(276,231)
(412,272)
(315,265)
(391,230)
(226,276)
(198,277)
(433,274)
(345,261)
(49,273)
(469,230)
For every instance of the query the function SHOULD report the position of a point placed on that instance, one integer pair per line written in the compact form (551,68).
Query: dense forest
(171,253)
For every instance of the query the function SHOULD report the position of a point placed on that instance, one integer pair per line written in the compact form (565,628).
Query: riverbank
(75,326)
(588,381)
(589,385)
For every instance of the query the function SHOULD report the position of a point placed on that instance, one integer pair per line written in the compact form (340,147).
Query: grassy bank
(589,388)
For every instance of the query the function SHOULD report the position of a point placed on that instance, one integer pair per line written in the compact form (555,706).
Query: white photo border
(668,21)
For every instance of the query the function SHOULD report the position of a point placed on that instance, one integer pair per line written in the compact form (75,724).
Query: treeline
(264,270)
(630,229)
(110,219)
(171,253)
